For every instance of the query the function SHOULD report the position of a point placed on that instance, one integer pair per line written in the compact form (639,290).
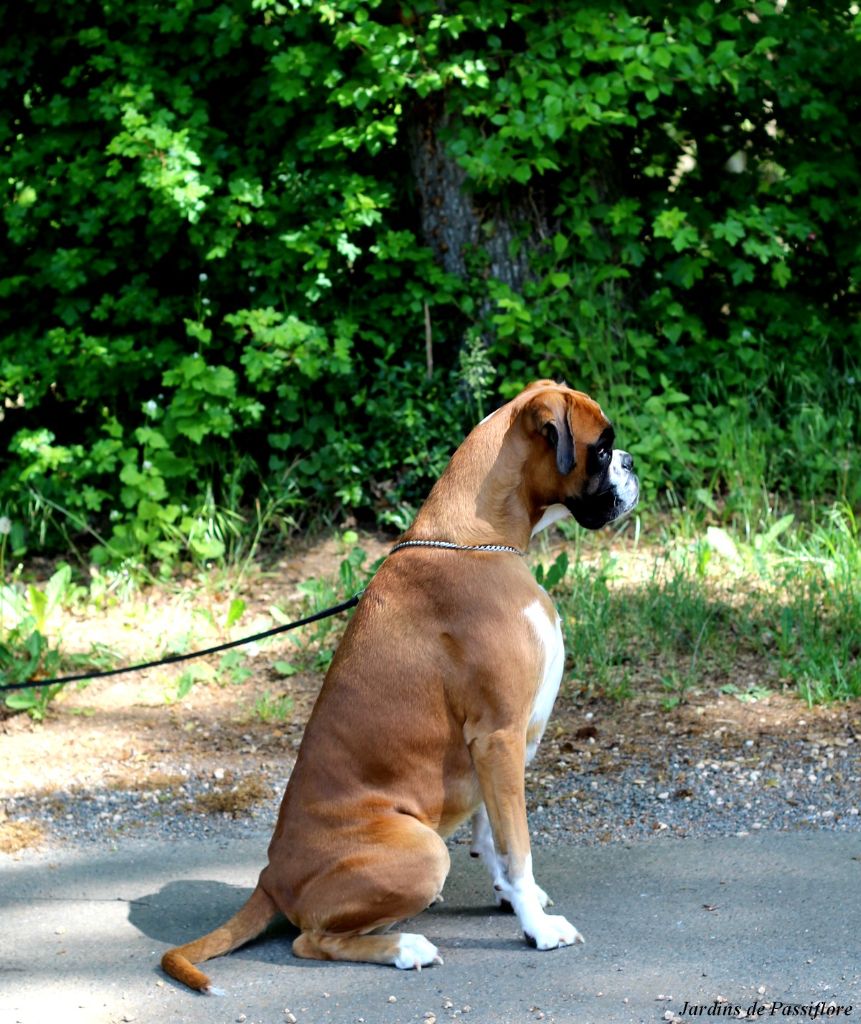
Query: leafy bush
(220,270)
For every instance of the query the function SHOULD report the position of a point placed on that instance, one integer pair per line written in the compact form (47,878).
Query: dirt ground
(131,733)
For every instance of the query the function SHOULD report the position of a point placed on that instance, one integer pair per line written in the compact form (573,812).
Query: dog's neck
(478,498)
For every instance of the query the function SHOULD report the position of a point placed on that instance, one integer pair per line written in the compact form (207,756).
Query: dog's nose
(627,461)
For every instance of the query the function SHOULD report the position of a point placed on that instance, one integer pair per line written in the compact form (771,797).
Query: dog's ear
(551,421)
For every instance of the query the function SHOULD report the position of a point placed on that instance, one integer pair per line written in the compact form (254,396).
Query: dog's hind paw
(415,952)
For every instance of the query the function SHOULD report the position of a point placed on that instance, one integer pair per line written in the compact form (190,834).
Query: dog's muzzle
(610,502)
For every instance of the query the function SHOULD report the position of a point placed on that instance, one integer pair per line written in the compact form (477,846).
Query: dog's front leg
(499,759)
(482,846)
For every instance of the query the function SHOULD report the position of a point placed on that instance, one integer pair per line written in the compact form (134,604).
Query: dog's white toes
(552,932)
(415,952)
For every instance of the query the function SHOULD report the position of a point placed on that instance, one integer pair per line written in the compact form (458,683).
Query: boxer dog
(435,701)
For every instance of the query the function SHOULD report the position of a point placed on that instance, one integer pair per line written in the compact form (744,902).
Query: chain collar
(455,547)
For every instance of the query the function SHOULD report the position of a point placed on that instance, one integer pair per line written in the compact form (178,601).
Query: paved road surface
(771,917)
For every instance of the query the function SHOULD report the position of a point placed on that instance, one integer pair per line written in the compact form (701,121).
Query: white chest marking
(549,635)
(552,514)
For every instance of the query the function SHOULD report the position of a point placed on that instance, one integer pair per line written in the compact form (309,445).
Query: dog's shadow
(184,910)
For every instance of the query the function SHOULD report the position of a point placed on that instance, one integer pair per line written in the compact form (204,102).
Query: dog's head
(572,465)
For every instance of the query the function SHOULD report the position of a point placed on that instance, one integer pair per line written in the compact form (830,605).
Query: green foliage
(703,277)
(273,709)
(216,273)
(320,593)
(25,651)
(553,575)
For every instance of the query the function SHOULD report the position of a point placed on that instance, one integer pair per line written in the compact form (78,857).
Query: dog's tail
(246,924)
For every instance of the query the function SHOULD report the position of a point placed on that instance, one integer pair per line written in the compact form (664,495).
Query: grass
(776,608)
(273,709)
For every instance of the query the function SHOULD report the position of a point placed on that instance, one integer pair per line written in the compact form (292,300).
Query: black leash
(172,659)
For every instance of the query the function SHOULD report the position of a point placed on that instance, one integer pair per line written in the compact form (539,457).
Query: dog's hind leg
(246,924)
(401,949)
(394,870)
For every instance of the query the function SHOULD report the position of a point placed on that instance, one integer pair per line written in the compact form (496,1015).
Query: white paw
(551,931)
(415,952)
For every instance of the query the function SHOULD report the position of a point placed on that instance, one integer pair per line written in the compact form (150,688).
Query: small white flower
(147,464)
(5,525)
(151,407)
(204,302)
(203,277)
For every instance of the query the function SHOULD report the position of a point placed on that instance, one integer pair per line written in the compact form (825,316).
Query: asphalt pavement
(673,928)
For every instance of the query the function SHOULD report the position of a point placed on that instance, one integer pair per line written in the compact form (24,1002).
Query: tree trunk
(491,235)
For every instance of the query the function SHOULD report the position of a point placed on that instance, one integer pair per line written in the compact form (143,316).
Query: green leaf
(781,274)
(22,700)
(741,271)
(235,612)
(38,608)
(730,230)
(522,173)
(206,547)
(184,684)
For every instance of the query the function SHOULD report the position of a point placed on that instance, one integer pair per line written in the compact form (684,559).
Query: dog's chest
(548,636)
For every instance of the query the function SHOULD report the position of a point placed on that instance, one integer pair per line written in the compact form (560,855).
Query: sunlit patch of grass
(775,608)
(819,625)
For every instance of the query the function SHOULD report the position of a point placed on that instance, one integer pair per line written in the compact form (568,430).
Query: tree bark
(500,232)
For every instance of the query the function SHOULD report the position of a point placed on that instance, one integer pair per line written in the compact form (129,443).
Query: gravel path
(580,794)
(786,788)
